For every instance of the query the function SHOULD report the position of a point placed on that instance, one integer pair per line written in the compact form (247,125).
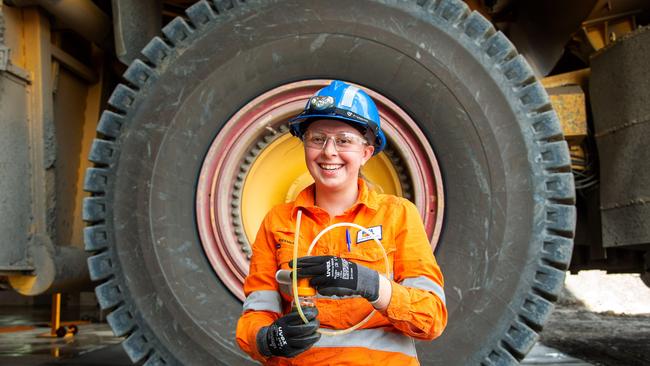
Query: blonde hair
(371,186)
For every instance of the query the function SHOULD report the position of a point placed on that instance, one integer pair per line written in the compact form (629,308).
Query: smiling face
(334,170)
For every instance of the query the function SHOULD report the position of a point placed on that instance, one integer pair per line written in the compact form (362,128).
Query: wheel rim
(254,164)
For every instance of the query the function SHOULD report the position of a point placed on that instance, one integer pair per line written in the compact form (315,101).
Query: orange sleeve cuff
(416,313)
(247,328)
(398,307)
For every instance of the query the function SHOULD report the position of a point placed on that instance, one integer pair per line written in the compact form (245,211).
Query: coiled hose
(294,277)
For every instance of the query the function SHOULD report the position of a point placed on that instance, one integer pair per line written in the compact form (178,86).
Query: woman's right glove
(289,335)
(337,276)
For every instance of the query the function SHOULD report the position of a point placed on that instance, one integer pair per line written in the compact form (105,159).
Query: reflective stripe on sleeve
(374,339)
(425,283)
(268,300)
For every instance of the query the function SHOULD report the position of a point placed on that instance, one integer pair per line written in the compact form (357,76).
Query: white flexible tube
(294,274)
(294,281)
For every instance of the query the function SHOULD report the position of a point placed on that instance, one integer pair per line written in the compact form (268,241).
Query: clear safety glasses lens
(343,142)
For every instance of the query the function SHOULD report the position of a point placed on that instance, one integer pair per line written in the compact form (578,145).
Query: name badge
(372,233)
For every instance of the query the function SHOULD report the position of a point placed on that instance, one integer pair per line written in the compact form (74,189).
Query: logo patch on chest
(372,232)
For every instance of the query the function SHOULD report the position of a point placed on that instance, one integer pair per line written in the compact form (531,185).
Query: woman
(340,130)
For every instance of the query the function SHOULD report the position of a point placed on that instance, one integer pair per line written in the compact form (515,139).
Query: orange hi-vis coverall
(417,304)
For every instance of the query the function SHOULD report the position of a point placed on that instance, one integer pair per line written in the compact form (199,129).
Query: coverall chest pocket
(371,255)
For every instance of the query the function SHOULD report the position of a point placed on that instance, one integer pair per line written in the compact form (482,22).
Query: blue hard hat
(342,102)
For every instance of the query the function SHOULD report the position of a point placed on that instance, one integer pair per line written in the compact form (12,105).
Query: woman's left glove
(337,276)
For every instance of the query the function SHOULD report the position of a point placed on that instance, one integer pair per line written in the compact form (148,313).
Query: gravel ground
(602,319)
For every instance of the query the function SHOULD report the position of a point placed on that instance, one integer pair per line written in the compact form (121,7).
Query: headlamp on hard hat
(321,103)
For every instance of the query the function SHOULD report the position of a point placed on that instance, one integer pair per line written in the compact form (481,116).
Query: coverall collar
(366,197)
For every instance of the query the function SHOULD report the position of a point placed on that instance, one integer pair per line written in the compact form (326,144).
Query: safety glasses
(343,142)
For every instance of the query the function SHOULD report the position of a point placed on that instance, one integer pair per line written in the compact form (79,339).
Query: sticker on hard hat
(374,233)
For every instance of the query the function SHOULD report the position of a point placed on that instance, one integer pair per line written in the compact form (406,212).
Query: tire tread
(535,311)
(548,281)
(554,156)
(110,124)
(223,6)
(499,48)
(476,27)
(100,267)
(557,251)
(545,127)
(157,51)
(96,180)
(103,265)
(550,150)
(139,74)
(452,11)
(121,321)
(500,356)
(561,219)
(520,339)
(122,98)
(534,98)
(108,294)
(177,31)
(518,71)
(560,187)
(201,13)
(95,238)
(102,152)
(137,346)
(94,209)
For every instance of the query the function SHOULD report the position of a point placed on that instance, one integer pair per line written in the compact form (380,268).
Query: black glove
(289,335)
(338,276)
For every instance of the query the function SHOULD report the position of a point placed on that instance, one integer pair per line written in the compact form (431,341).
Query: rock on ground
(603,319)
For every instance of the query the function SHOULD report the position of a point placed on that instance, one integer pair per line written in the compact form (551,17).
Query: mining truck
(142,143)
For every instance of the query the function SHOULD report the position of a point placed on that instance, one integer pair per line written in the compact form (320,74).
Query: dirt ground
(602,319)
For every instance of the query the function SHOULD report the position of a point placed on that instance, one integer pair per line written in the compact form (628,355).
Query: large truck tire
(194,142)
